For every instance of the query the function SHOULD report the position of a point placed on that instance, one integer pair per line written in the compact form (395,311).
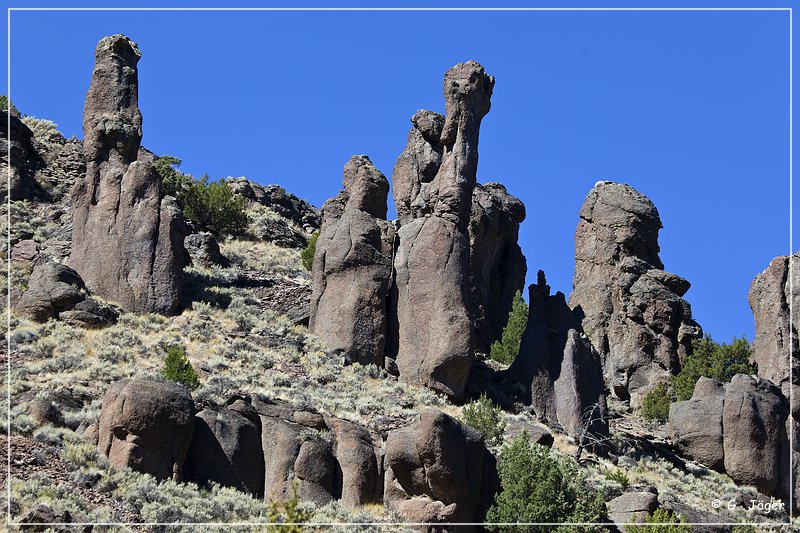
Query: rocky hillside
(165,372)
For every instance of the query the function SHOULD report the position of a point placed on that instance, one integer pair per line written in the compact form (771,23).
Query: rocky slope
(345,385)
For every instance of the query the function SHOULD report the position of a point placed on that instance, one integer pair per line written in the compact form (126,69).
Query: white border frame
(398,9)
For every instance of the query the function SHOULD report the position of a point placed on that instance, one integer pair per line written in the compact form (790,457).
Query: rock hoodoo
(127,242)
(631,308)
(434,180)
(353,266)
(774,340)
(558,371)
(497,266)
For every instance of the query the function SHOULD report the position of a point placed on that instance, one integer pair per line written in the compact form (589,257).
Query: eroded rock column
(434,180)
(127,242)
(353,266)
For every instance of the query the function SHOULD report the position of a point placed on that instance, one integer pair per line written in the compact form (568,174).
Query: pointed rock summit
(127,241)
(631,309)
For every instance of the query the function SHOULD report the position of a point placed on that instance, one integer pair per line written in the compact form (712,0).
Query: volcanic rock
(631,308)
(353,266)
(127,242)
(696,424)
(289,206)
(497,266)
(147,426)
(432,329)
(438,470)
(203,249)
(631,507)
(52,289)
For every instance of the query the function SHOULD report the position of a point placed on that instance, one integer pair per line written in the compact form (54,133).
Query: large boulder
(147,426)
(631,507)
(52,289)
(203,249)
(353,266)
(127,241)
(696,425)
(633,311)
(438,470)
(556,370)
(434,179)
(226,449)
(776,342)
(358,463)
(497,266)
(754,432)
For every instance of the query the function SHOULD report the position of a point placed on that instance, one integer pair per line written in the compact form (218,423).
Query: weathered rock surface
(45,412)
(276,198)
(774,341)
(127,242)
(439,471)
(559,373)
(25,250)
(203,249)
(433,345)
(739,428)
(226,449)
(632,309)
(631,507)
(17,139)
(497,266)
(147,426)
(358,463)
(280,232)
(696,425)
(353,266)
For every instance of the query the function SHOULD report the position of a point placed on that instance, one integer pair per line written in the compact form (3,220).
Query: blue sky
(690,108)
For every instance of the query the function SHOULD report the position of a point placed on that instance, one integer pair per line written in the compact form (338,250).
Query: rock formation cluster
(632,310)
(127,241)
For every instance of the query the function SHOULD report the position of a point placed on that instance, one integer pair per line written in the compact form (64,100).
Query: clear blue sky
(690,108)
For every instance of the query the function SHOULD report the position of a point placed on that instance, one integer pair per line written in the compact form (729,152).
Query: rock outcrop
(557,370)
(289,206)
(16,139)
(739,428)
(776,342)
(226,449)
(632,310)
(127,241)
(497,266)
(353,266)
(57,291)
(147,426)
(203,249)
(631,507)
(439,471)
(434,179)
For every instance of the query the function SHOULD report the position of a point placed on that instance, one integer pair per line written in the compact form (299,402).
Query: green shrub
(507,348)
(307,255)
(287,512)
(173,181)
(484,416)
(539,486)
(718,361)
(214,207)
(655,405)
(5,102)
(179,369)
(656,523)
(620,477)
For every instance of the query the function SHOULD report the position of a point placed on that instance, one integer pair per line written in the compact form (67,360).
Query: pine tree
(506,350)
(178,368)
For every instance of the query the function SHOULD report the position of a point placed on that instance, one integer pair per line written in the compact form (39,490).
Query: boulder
(90,313)
(632,310)
(775,339)
(203,249)
(44,412)
(147,426)
(696,425)
(353,267)
(357,461)
(25,250)
(556,371)
(438,470)
(52,289)
(497,266)
(280,232)
(226,449)
(127,241)
(631,507)
(430,318)
(754,432)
